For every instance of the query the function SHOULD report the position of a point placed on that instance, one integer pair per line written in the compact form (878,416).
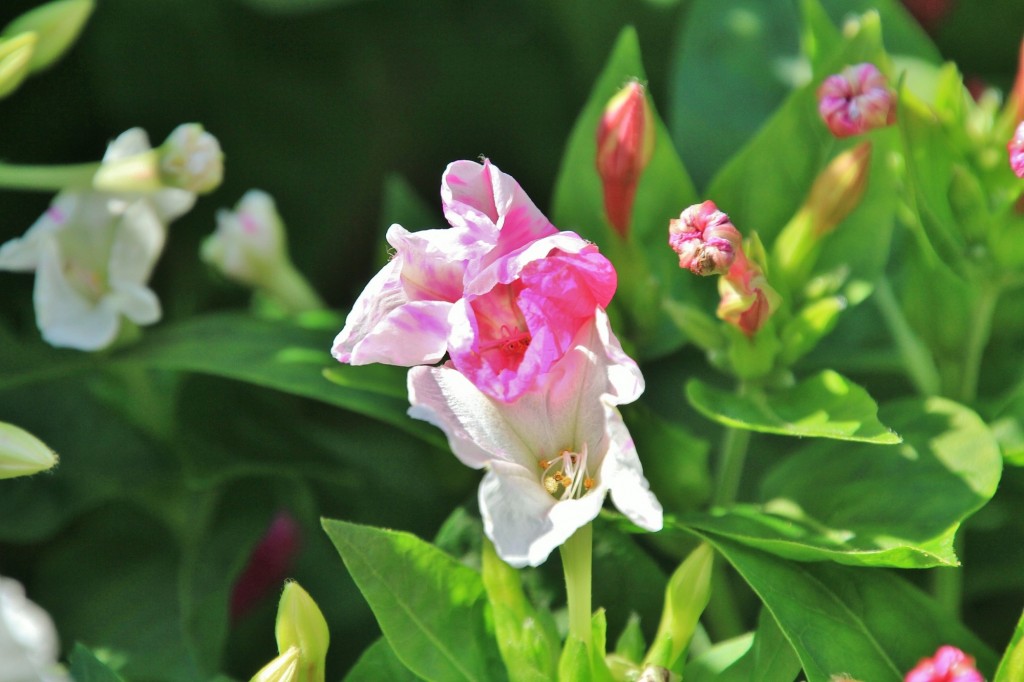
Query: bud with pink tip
(705,239)
(625,143)
(747,300)
(856,100)
(949,664)
(1016,149)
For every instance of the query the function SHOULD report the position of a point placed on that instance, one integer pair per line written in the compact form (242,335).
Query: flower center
(566,476)
(511,341)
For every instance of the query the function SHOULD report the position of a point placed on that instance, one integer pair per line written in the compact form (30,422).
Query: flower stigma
(566,477)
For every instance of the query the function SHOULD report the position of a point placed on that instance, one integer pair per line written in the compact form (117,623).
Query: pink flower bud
(747,300)
(929,13)
(268,565)
(856,101)
(949,664)
(705,239)
(839,188)
(625,143)
(1016,149)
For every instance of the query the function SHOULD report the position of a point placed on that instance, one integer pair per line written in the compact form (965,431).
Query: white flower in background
(28,638)
(249,244)
(192,159)
(553,454)
(93,253)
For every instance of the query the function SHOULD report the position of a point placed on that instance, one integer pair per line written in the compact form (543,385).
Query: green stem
(576,560)
(46,178)
(916,357)
(293,291)
(978,335)
(730,467)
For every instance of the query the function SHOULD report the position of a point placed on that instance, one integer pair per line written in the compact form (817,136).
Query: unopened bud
(191,159)
(839,189)
(856,100)
(706,241)
(1015,147)
(301,625)
(949,664)
(15,60)
(249,244)
(21,453)
(625,143)
(57,26)
(746,299)
(654,673)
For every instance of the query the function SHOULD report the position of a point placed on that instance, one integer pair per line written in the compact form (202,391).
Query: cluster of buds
(709,244)
(189,159)
(625,143)
(949,664)
(856,100)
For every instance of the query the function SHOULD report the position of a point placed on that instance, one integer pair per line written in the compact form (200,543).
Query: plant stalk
(576,562)
(46,178)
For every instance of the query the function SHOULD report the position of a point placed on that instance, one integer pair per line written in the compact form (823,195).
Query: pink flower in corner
(705,239)
(501,291)
(1015,147)
(949,664)
(856,100)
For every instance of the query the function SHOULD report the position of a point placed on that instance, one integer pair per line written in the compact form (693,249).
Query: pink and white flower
(1015,148)
(856,100)
(93,253)
(705,239)
(552,455)
(949,664)
(501,291)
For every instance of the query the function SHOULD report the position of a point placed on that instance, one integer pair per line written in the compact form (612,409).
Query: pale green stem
(293,291)
(730,465)
(576,562)
(917,359)
(46,178)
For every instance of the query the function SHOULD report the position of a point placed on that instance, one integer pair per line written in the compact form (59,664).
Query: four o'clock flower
(747,300)
(856,100)
(28,638)
(625,143)
(1015,147)
(949,664)
(93,253)
(501,291)
(705,239)
(553,454)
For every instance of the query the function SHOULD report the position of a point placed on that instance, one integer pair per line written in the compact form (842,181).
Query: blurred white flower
(28,638)
(93,253)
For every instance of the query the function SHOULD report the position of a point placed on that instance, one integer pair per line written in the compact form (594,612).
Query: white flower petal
(524,522)
(28,638)
(137,302)
(22,254)
(138,241)
(621,470)
(64,316)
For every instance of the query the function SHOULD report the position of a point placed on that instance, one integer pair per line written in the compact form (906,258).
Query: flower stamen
(566,477)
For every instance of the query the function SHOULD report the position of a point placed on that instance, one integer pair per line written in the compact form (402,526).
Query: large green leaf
(648,273)
(870,624)
(85,667)
(826,405)
(1011,668)
(897,506)
(429,606)
(377,663)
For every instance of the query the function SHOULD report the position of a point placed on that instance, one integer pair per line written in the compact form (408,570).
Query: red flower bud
(625,143)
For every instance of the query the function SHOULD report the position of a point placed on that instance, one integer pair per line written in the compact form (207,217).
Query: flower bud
(56,24)
(705,239)
(654,673)
(249,244)
(839,189)
(949,664)
(746,299)
(15,60)
(625,143)
(22,454)
(1015,147)
(191,159)
(268,564)
(856,100)
(301,625)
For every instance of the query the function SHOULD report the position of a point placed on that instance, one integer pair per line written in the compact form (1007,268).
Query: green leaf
(773,658)
(726,661)
(85,667)
(429,607)
(289,7)
(826,405)
(869,515)
(647,269)
(631,644)
(1012,666)
(902,32)
(819,38)
(763,655)
(872,625)
(686,597)
(379,662)
(527,637)
(284,356)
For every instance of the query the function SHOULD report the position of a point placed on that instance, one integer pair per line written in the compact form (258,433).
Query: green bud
(284,668)
(15,60)
(57,25)
(21,453)
(301,625)
(686,596)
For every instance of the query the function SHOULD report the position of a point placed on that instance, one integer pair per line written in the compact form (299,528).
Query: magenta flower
(1016,149)
(705,239)
(552,455)
(949,664)
(502,292)
(625,144)
(856,100)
